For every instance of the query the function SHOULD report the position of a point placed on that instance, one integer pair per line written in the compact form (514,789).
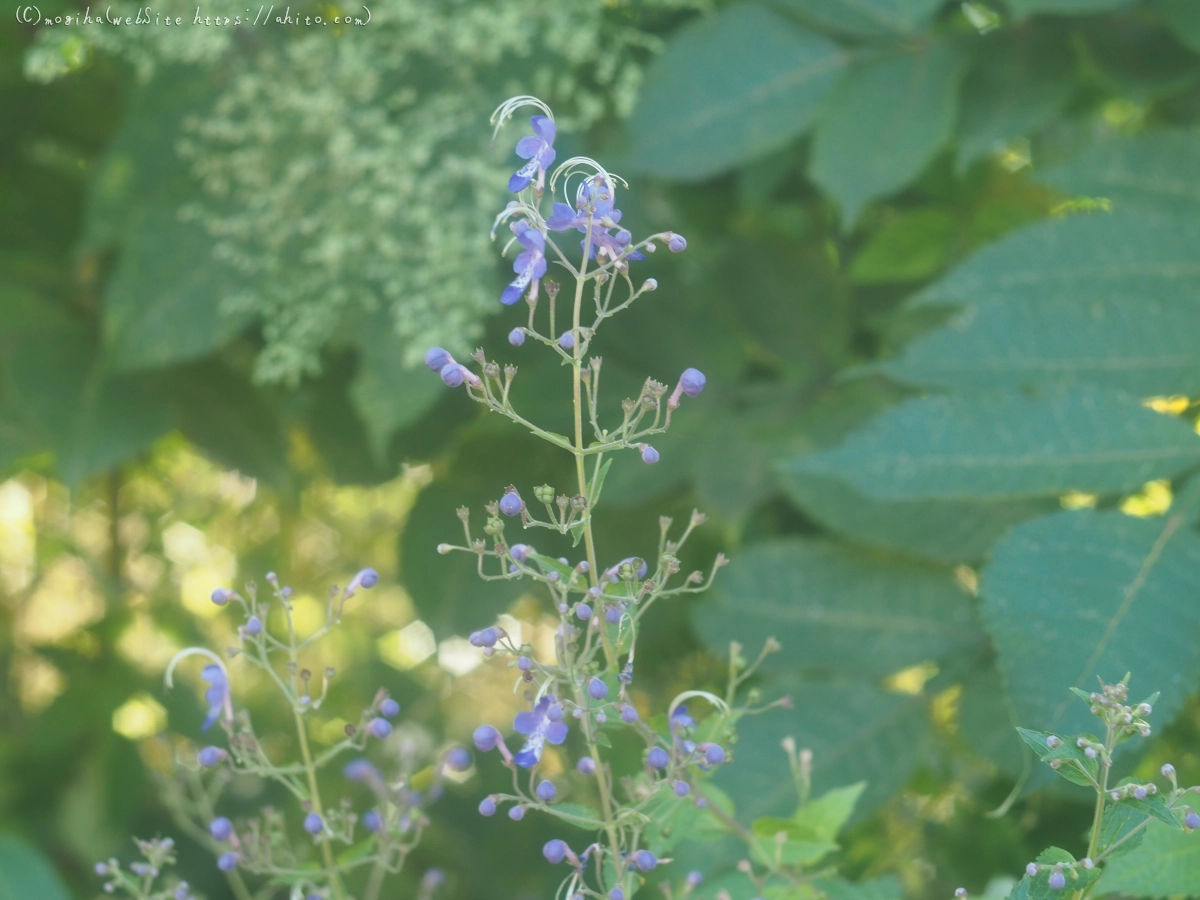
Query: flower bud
(676,243)
(437,359)
(516,337)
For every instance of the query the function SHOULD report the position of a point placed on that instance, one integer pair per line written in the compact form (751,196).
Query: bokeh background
(943,279)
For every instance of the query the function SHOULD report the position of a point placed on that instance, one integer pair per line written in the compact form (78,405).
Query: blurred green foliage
(941,276)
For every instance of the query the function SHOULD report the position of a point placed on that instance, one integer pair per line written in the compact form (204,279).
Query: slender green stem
(335,880)
(1098,815)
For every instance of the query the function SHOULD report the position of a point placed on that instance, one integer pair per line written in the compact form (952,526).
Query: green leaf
(1083,594)
(91,418)
(1067,301)
(1153,171)
(1120,819)
(1001,444)
(864,18)
(945,531)
(798,848)
(985,722)
(387,394)
(1073,764)
(826,815)
(1019,80)
(837,609)
(885,888)
(855,730)
(1022,8)
(728,89)
(1155,806)
(576,809)
(25,873)
(162,303)
(911,98)
(910,246)
(1183,18)
(1167,863)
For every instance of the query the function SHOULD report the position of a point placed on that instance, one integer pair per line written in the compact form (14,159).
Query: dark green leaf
(1166,864)
(838,610)
(945,531)
(911,98)
(1110,300)
(1183,17)
(1083,594)
(1019,80)
(25,873)
(885,888)
(864,18)
(985,722)
(728,89)
(388,394)
(1000,444)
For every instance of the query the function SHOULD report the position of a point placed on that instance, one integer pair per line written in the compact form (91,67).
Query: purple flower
(538,727)
(714,754)
(227,862)
(1057,880)
(555,851)
(437,358)
(485,738)
(458,759)
(221,596)
(371,820)
(530,264)
(452,374)
(253,626)
(629,715)
(681,788)
(210,756)
(649,455)
(366,578)
(594,201)
(217,696)
(676,243)
(379,727)
(597,689)
(546,791)
(657,758)
(220,828)
(586,765)
(538,148)
(314,824)
(567,341)
(510,503)
(487,807)
(516,337)
(390,708)
(645,860)
(1192,820)
(361,770)
(681,719)
(692,381)
(516,813)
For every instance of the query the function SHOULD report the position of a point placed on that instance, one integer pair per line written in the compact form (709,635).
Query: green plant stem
(1098,815)
(375,884)
(335,880)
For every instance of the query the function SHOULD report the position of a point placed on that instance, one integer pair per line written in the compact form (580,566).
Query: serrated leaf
(1153,171)
(1109,300)
(1083,594)
(864,18)
(25,873)
(1166,864)
(1155,807)
(1073,764)
(945,531)
(728,89)
(1004,444)
(1120,820)
(1019,80)
(910,97)
(838,610)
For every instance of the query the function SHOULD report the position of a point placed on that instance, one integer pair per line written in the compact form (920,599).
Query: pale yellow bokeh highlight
(38,681)
(912,680)
(141,716)
(1154,499)
(18,537)
(407,647)
(1078,500)
(65,601)
(146,646)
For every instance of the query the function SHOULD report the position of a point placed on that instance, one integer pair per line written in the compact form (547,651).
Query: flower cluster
(1122,810)
(382,814)
(585,688)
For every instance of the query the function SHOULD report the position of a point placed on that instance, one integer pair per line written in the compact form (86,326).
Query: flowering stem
(1098,816)
(335,881)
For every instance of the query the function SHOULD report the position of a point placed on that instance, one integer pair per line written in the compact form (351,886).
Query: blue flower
(530,264)
(543,723)
(538,148)
(217,696)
